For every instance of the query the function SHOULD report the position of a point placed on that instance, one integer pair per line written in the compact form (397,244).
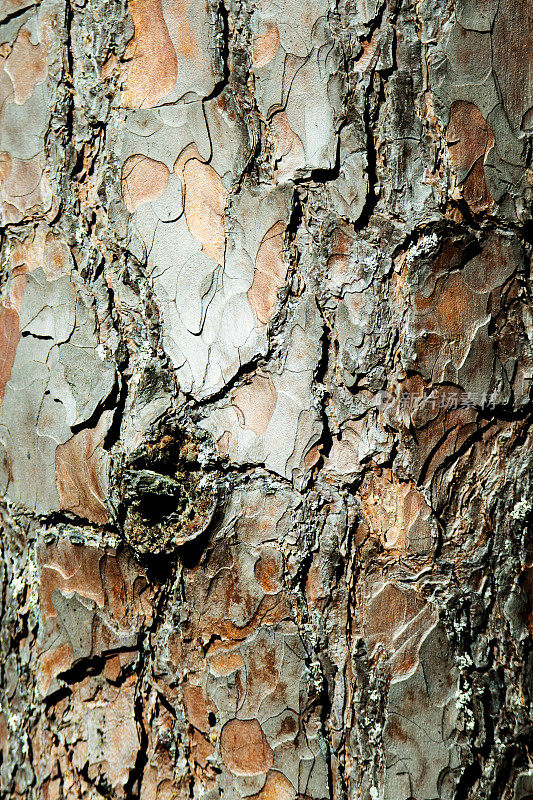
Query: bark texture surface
(265,383)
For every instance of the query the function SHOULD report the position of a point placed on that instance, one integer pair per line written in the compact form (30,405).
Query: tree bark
(265,384)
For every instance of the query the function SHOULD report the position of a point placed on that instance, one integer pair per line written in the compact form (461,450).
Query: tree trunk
(265,380)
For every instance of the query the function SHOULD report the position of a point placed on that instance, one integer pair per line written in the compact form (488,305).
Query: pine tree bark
(265,384)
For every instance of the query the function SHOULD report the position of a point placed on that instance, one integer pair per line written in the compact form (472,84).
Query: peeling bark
(265,400)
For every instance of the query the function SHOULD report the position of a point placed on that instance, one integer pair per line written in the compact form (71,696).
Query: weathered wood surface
(265,383)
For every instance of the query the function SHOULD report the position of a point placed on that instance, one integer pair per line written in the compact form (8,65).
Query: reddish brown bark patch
(9,339)
(244,747)
(469,138)
(224,662)
(276,787)
(269,570)
(399,620)
(196,707)
(69,568)
(78,473)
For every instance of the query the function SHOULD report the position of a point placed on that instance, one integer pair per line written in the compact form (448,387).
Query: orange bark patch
(255,403)
(223,443)
(394,511)
(456,307)
(269,276)
(143,180)
(265,46)
(369,48)
(9,339)
(339,260)
(204,202)
(57,258)
(52,663)
(475,189)
(469,138)
(289,151)
(6,165)
(69,568)
(276,787)
(452,310)
(268,570)
(112,668)
(497,261)
(114,752)
(153,69)
(78,468)
(181,33)
(28,254)
(467,135)
(399,620)
(224,662)
(196,707)
(26,65)
(201,749)
(110,67)
(244,747)
(439,432)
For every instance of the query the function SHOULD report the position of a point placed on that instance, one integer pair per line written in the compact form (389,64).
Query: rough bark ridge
(265,374)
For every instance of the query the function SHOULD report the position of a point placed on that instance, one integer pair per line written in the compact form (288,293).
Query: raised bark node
(170,503)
